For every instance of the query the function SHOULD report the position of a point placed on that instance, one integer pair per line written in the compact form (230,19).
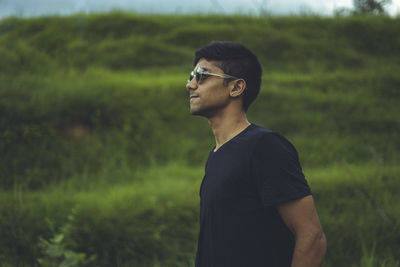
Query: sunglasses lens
(199,77)
(191,76)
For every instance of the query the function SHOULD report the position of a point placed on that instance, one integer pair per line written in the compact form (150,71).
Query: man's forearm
(309,250)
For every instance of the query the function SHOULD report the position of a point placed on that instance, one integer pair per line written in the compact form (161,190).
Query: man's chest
(228,181)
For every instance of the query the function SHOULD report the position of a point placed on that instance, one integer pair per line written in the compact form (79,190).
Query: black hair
(236,60)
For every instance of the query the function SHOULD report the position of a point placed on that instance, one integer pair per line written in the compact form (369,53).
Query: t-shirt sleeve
(277,171)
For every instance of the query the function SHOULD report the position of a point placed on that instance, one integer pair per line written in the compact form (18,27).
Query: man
(256,209)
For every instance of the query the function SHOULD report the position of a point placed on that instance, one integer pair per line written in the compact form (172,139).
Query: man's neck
(225,127)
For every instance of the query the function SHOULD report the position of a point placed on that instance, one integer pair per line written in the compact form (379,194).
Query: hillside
(94,119)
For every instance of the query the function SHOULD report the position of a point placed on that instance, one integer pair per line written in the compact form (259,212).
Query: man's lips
(193,96)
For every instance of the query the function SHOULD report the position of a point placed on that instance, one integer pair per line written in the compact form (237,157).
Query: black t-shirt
(244,180)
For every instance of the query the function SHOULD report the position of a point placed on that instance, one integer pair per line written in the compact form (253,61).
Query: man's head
(234,60)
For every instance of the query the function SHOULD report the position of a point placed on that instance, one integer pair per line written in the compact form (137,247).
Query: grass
(140,215)
(97,144)
(154,217)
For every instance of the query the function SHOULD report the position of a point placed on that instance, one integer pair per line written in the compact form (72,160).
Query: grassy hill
(100,158)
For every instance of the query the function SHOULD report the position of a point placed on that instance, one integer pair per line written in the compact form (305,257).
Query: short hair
(236,60)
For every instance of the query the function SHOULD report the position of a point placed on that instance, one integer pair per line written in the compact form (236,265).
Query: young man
(256,209)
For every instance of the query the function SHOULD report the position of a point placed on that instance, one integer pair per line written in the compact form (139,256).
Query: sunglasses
(201,74)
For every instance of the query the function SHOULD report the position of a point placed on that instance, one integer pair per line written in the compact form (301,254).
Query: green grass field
(101,162)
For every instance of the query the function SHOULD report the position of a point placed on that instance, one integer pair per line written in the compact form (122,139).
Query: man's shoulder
(260,133)
(266,139)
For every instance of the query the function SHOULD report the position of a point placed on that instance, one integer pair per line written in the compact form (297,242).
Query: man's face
(210,96)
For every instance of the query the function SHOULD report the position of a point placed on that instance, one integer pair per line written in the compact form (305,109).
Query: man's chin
(206,112)
(197,112)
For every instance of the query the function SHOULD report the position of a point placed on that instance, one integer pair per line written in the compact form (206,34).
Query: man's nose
(191,85)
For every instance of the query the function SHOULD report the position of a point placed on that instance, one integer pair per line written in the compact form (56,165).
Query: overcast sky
(277,7)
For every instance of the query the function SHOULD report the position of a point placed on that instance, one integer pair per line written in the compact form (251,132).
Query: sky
(275,7)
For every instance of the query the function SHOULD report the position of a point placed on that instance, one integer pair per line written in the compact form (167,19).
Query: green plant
(57,252)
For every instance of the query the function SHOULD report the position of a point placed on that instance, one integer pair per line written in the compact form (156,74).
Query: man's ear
(238,88)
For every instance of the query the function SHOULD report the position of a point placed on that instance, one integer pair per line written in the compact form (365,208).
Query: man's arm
(301,218)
